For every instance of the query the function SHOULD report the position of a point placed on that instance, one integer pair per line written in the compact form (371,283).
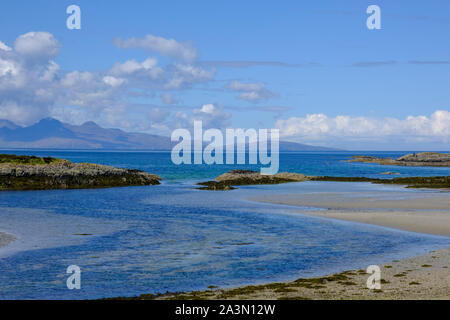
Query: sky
(311,69)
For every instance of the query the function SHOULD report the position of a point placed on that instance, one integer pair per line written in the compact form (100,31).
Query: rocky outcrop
(63,174)
(441,182)
(232,178)
(425,159)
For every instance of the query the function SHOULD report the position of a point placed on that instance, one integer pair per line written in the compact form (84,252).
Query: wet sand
(423,214)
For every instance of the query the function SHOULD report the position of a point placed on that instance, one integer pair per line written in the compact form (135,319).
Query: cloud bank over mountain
(411,130)
(34,86)
(51,133)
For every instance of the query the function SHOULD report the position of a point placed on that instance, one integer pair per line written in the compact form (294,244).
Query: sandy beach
(423,214)
(5,239)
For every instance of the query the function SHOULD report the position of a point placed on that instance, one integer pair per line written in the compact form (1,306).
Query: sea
(175,238)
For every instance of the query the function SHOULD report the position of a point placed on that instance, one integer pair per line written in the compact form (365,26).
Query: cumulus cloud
(251,91)
(113,81)
(212,116)
(37,45)
(146,69)
(165,47)
(4,47)
(184,75)
(33,86)
(89,89)
(27,77)
(320,127)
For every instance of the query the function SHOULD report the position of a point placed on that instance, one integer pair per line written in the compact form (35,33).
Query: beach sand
(430,214)
(5,239)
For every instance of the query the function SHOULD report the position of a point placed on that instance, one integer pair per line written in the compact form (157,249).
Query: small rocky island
(228,180)
(232,178)
(45,173)
(425,159)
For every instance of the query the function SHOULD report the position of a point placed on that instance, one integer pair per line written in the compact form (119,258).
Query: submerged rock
(31,174)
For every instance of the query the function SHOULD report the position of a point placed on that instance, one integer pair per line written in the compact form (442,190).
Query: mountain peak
(8,124)
(49,120)
(90,124)
(52,133)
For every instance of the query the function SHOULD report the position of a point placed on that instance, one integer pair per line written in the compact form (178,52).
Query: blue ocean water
(172,237)
(310,163)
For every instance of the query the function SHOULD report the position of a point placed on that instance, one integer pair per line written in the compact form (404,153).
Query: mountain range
(50,133)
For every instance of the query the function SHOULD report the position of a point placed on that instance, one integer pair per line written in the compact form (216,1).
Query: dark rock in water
(232,178)
(215,186)
(441,182)
(425,159)
(248,177)
(33,173)
(238,171)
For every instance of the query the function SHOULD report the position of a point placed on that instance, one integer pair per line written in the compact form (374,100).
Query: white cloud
(50,72)
(319,127)
(251,91)
(33,86)
(113,81)
(8,67)
(28,88)
(37,45)
(212,116)
(207,108)
(165,47)
(147,68)
(4,47)
(185,75)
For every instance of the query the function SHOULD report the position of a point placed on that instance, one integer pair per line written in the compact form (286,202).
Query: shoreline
(421,277)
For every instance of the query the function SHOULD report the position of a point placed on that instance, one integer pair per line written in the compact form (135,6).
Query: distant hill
(53,134)
(8,124)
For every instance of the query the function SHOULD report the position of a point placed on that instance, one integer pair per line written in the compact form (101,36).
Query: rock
(441,182)
(254,177)
(426,159)
(248,177)
(63,174)
(215,186)
(232,178)
(389,172)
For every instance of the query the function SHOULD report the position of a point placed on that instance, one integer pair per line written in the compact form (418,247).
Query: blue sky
(310,68)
